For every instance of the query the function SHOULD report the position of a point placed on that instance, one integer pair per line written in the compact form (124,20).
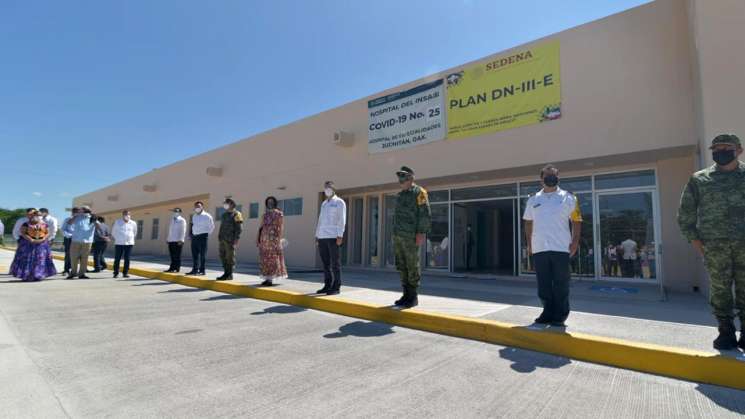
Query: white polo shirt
(551,214)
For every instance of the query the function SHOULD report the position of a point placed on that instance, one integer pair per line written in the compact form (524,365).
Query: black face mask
(723,157)
(550,180)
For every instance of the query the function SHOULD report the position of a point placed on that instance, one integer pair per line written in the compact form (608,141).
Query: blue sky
(94,92)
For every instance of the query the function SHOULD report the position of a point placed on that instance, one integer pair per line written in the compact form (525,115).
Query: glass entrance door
(484,237)
(627,223)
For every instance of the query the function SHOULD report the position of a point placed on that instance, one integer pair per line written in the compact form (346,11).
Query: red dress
(271,254)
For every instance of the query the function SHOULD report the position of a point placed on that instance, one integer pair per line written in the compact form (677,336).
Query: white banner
(406,119)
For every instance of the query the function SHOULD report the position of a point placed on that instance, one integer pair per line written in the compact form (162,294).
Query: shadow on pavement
(528,361)
(362,329)
(152,283)
(182,290)
(730,399)
(282,309)
(222,297)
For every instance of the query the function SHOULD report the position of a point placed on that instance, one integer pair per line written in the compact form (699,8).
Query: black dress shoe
(83,277)
(323,290)
(192,272)
(125,276)
(116,275)
(332,292)
(202,273)
(168,270)
(70,277)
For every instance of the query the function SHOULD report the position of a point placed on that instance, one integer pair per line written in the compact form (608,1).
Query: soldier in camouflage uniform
(231,226)
(411,223)
(712,218)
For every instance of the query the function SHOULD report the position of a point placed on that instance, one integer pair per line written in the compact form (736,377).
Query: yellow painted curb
(692,365)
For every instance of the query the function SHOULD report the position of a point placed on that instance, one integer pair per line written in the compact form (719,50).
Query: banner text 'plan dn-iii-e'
(406,119)
(517,89)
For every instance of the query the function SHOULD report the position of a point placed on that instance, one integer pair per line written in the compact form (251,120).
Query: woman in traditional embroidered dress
(33,258)
(269,242)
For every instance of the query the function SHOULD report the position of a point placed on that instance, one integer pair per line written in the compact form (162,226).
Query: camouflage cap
(730,139)
(405,172)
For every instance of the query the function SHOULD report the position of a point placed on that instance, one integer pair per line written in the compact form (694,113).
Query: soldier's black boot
(227,276)
(727,339)
(413,299)
(404,298)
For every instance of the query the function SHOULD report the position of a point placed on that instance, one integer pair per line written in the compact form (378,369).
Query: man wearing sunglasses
(411,223)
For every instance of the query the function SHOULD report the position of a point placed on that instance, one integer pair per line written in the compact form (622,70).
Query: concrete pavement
(143,348)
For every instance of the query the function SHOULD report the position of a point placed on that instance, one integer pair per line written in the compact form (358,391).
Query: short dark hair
(548,167)
(266,201)
(199,203)
(230,201)
(101,220)
(44,210)
(31,209)
(126,211)
(75,209)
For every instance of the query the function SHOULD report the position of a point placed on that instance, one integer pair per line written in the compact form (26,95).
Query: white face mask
(329,192)
(198,210)
(176,214)
(36,218)
(127,218)
(226,206)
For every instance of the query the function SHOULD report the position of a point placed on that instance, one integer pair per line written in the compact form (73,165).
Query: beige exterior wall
(629,98)
(718,63)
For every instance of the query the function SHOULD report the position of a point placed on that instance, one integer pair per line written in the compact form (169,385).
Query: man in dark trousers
(329,236)
(550,241)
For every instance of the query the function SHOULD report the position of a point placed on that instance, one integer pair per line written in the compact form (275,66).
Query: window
(625,180)
(140,227)
(253,210)
(291,207)
(481,192)
(439,196)
(372,231)
(155,228)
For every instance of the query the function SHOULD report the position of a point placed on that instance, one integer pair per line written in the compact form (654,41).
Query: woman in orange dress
(269,242)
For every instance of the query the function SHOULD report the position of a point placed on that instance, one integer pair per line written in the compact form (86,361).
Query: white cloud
(36,193)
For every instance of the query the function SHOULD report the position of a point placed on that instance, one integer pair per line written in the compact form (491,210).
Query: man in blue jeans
(548,214)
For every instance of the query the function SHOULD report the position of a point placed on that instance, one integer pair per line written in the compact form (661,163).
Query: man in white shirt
(52,223)
(200,227)
(329,236)
(547,217)
(67,240)
(630,248)
(176,237)
(124,232)
(2,231)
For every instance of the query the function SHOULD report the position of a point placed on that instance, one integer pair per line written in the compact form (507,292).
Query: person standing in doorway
(412,221)
(269,241)
(547,216)
(175,239)
(82,229)
(101,240)
(124,232)
(200,227)
(67,240)
(629,254)
(231,226)
(712,218)
(332,222)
